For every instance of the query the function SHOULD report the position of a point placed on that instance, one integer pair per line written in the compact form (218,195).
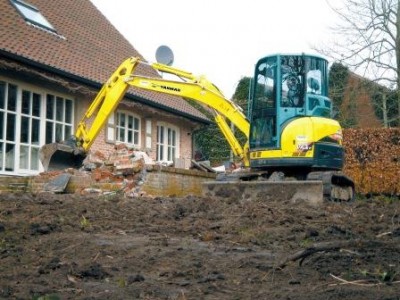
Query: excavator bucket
(59,156)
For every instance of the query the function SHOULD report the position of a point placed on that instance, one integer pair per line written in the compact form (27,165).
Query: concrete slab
(58,184)
(294,191)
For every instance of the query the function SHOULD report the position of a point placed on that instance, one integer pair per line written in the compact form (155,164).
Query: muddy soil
(111,247)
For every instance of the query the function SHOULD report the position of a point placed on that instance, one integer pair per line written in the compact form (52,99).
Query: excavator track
(336,186)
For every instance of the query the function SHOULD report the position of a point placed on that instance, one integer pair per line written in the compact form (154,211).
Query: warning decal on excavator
(302,145)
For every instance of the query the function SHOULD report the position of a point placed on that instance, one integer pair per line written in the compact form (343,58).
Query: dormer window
(32,15)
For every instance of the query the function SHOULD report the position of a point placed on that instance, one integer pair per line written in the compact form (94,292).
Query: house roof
(85,47)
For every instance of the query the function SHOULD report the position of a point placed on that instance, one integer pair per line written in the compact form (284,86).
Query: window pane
(121,120)
(12,97)
(35,131)
(24,157)
(169,133)
(1,125)
(34,158)
(10,127)
(68,131)
(136,137)
(49,132)
(24,130)
(121,135)
(68,111)
(161,140)
(59,109)
(161,153)
(2,94)
(130,122)
(130,137)
(26,101)
(59,133)
(136,123)
(50,107)
(10,153)
(1,156)
(36,105)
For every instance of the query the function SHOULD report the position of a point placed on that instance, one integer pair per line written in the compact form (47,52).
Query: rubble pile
(124,166)
(123,171)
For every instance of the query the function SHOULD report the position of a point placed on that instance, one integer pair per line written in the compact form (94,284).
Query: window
(30,129)
(30,117)
(128,128)
(32,15)
(59,118)
(167,143)
(263,114)
(8,116)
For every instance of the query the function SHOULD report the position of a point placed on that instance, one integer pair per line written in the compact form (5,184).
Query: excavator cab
(290,114)
(291,129)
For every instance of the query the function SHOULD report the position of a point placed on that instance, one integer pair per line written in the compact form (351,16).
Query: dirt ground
(110,247)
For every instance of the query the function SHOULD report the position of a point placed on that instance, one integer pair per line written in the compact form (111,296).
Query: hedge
(372,159)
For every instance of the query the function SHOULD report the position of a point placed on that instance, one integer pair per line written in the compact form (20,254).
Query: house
(54,57)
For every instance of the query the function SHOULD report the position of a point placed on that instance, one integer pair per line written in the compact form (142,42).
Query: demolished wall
(125,171)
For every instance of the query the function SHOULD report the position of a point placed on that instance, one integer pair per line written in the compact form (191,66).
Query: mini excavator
(289,130)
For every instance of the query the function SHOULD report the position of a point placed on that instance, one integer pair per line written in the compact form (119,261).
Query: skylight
(32,15)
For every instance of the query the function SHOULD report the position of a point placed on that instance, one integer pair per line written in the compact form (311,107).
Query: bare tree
(368,40)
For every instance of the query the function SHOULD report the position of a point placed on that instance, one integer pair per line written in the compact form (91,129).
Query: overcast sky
(221,39)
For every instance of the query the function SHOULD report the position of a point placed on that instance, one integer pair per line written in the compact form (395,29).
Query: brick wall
(184,126)
(158,181)
(12,184)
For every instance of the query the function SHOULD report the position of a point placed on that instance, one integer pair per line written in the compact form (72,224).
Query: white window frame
(148,134)
(168,142)
(61,129)
(124,133)
(9,149)
(29,123)
(22,139)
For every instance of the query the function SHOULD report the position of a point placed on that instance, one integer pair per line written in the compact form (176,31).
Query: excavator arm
(106,101)
(53,156)
(203,91)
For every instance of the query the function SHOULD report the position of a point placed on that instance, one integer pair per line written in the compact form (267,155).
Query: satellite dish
(164,55)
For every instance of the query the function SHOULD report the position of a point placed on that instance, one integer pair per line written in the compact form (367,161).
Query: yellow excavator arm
(195,88)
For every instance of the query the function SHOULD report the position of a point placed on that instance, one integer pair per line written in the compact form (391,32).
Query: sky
(221,40)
